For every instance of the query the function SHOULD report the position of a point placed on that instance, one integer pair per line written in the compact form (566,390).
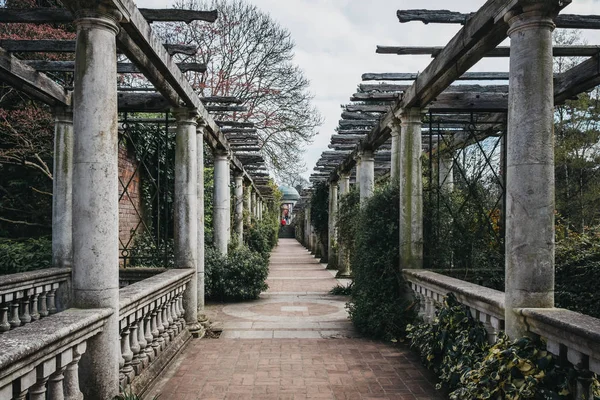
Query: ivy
(319,209)
(347,221)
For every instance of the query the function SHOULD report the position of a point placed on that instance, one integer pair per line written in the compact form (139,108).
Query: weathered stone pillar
(367,175)
(62,203)
(200,213)
(221,207)
(239,208)
(247,204)
(332,239)
(307,226)
(95,194)
(446,172)
(253,203)
(260,208)
(343,264)
(186,210)
(530,165)
(411,190)
(395,164)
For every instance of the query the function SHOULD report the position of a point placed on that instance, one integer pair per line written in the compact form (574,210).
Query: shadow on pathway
(295,342)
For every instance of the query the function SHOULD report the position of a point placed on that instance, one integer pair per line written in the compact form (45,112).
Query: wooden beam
(58,15)
(582,77)
(239,130)
(226,108)
(568,21)
(360,116)
(37,85)
(466,76)
(501,51)
(68,46)
(355,123)
(235,124)
(122,68)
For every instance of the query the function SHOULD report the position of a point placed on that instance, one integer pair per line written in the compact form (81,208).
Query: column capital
(99,17)
(221,154)
(395,126)
(411,116)
(533,14)
(63,114)
(186,116)
(366,155)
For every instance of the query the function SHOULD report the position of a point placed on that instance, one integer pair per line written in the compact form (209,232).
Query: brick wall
(131,201)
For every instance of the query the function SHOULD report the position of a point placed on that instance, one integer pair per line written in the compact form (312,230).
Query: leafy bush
(25,255)
(347,222)
(239,276)
(261,237)
(341,290)
(379,305)
(319,217)
(452,344)
(147,252)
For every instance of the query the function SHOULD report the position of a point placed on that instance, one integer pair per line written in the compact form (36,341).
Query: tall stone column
(95,194)
(446,172)
(332,237)
(307,226)
(343,264)
(395,164)
(186,210)
(411,190)
(530,165)
(239,207)
(221,207)
(253,203)
(200,212)
(260,209)
(367,175)
(62,199)
(248,205)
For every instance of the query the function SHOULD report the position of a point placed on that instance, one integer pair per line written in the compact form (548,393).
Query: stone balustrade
(152,327)
(41,360)
(29,296)
(129,276)
(571,336)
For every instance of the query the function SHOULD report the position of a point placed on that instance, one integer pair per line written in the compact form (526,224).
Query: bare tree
(250,56)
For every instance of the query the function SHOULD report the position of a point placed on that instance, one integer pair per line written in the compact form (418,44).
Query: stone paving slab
(295,342)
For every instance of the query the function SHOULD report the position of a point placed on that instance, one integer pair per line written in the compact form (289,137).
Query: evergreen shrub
(25,255)
(379,304)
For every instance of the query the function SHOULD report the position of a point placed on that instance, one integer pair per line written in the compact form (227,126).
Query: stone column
(239,208)
(307,227)
(332,237)
(411,190)
(446,172)
(367,175)
(62,199)
(343,264)
(221,207)
(259,209)
(253,203)
(247,204)
(95,194)
(200,212)
(395,164)
(186,210)
(530,165)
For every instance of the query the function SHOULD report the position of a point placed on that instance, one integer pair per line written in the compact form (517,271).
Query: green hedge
(25,255)
(347,222)
(379,305)
(239,276)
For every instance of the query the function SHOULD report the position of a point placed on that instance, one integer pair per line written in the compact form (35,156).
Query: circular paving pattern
(277,310)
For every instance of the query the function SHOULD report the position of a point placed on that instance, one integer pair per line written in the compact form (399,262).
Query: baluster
(155,333)
(181,310)
(173,315)
(160,326)
(127,355)
(35,314)
(142,356)
(14,315)
(43,372)
(72,391)
(55,383)
(22,384)
(4,325)
(492,332)
(51,301)
(135,347)
(43,304)
(172,327)
(24,316)
(149,350)
(165,321)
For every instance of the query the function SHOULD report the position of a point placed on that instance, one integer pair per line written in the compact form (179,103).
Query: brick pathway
(294,343)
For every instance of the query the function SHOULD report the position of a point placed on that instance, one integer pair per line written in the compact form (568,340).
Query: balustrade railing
(151,320)
(571,336)
(29,296)
(129,276)
(40,361)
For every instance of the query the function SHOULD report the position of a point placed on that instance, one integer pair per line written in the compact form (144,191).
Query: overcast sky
(336,41)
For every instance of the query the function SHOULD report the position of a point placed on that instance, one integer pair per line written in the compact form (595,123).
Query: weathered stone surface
(221,208)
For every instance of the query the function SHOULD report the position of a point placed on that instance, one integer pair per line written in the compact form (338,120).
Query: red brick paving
(344,368)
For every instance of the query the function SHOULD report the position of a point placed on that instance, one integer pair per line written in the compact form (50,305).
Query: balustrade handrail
(142,293)
(478,297)
(30,279)
(25,349)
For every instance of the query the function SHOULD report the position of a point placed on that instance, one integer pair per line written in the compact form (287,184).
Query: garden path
(295,342)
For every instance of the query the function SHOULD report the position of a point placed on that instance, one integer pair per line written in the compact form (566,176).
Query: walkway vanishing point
(294,343)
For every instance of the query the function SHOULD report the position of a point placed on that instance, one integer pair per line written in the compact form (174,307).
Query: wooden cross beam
(57,15)
(122,68)
(68,46)
(235,124)
(157,103)
(501,51)
(466,76)
(568,21)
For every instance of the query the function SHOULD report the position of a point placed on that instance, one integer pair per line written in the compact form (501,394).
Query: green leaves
(25,255)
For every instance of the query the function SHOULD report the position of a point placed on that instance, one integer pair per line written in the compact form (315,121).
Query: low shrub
(379,306)
(25,255)
(261,237)
(239,276)
(341,290)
